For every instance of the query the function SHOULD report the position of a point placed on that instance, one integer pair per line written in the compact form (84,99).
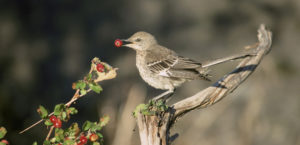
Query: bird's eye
(138,40)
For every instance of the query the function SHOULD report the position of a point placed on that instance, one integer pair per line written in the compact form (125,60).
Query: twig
(74,98)
(50,131)
(38,122)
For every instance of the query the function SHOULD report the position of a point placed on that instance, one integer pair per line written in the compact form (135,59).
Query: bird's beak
(126,42)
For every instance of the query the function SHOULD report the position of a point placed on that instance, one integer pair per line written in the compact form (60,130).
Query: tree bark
(155,129)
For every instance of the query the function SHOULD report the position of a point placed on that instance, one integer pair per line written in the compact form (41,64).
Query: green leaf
(159,103)
(1,143)
(46,142)
(34,143)
(53,140)
(69,142)
(43,112)
(48,122)
(96,143)
(72,131)
(89,77)
(139,108)
(87,125)
(96,127)
(72,110)
(64,115)
(80,85)
(151,102)
(58,109)
(104,120)
(82,92)
(95,87)
(160,106)
(3,131)
(59,135)
(99,134)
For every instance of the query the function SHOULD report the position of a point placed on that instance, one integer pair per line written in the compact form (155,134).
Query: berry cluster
(56,121)
(83,139)
(90,131)
(74,135)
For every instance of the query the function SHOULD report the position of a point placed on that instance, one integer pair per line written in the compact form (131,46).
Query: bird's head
(140,41)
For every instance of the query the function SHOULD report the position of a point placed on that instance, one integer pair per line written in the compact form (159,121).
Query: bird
(162,68)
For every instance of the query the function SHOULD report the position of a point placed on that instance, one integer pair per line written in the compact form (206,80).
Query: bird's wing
(160,65)
(176,67)
(172,62)
(186,63)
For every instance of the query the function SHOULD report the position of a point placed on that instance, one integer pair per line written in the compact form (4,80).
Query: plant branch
(50,131)
(100,77)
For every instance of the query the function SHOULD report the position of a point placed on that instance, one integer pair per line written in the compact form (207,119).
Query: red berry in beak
(100,67)
(118,43)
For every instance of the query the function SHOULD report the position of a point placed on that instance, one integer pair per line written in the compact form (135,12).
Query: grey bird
(163,68)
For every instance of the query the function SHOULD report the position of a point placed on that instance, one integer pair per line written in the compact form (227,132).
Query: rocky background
(47,45)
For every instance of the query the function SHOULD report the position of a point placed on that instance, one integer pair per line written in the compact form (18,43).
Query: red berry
(5,141)
(58,123)
(93,137)
(59,144)
(83,139)
(53,119)
(100,67)
(118,43)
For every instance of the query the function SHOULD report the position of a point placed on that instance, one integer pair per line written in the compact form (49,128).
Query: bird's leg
(225,59)
(165,95)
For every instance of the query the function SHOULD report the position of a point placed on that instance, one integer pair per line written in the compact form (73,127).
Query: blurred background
(47,45)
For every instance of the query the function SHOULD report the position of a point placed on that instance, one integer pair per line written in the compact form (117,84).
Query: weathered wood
(154,130)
